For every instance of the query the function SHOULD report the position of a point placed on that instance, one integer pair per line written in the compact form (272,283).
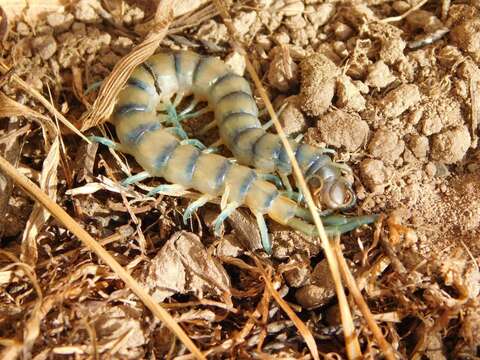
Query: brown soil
(395,92)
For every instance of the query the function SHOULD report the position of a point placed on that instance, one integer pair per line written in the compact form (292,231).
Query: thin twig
(352,344)
(35,94)
(387,349)
(405,14)
(105,102)
(36,193)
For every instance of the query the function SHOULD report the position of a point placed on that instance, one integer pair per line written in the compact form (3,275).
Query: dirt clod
(386,145)
(45,46)
(374,175)
(318,84)
(450,146)
(379,75)
(349,95)
(467,35)
(341,129)
(399,100)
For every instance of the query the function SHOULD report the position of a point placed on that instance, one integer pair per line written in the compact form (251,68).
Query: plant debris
(392,87)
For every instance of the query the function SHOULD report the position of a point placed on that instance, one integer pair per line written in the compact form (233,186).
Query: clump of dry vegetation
(393,87)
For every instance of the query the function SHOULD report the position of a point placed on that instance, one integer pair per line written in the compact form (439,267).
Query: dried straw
(352,344)
(37,194)
(4,69)
(351,340)
(113,84)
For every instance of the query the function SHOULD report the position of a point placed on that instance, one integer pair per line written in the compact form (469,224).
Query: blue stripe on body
(166,154)
(247,183)
(222,173)
(128,108)
(135,135)
(192,163)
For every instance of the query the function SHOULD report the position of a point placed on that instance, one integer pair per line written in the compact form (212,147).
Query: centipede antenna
(262,226)
(349,224)
(136,178)
(168,189)
(194,206)
(223,215)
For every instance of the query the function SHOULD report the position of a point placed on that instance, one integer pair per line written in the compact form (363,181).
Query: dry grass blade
(36,193)
(474,87)
(35,94)
(9,108)
(353,346)
(39,216)
(405,14)
(387,350)
(105,101)
(299,324)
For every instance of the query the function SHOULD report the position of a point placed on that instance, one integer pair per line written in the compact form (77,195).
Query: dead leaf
(39,215)
(183,266)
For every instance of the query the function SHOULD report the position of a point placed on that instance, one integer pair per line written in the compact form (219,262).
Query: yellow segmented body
(236,115)
(162,153)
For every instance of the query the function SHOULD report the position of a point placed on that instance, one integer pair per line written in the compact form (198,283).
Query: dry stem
(36,193)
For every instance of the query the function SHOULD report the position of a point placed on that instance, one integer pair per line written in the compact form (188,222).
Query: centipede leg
(350,224)
(178,99)
(107,142)
(194,142)
(199,145)
(182,116)
(174,120)
(136,178)
(190,107)
(269,123)
(93,86)
(343,167)
(226,212)
(305,214)
(168,189)
(178,132)
(194,206)
(266,243)
(272,178)
(294,195)
(208,127)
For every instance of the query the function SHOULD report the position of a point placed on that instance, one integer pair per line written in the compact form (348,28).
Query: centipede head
(330,190)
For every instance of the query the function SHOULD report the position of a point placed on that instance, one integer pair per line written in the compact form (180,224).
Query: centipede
(185,163)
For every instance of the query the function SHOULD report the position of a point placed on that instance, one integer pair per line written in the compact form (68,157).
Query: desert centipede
(229,96)
(187,164)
